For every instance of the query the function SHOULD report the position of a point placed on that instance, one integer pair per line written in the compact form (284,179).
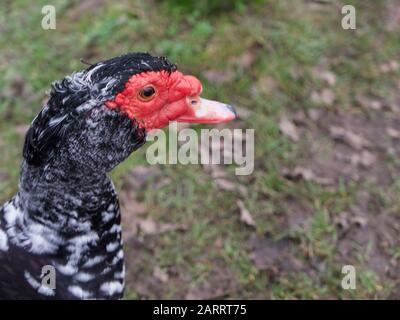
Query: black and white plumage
(66,212)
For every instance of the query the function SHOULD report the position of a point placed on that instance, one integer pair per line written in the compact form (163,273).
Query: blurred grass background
(319,200)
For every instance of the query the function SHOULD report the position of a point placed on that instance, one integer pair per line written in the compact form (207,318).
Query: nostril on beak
(232,109)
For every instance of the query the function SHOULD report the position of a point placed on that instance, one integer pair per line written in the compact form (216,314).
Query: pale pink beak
(206,111)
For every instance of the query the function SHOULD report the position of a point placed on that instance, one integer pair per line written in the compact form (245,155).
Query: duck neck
(69,199)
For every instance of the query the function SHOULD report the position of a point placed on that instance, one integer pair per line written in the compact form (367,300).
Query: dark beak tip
(232,109)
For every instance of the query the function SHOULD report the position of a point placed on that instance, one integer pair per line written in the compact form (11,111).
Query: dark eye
(147,93)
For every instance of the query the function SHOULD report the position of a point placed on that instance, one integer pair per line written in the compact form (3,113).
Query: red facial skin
(167,104)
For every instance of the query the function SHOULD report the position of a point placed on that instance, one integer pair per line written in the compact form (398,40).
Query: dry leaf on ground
(225,184)
(369,103)
(160,274)
(289,129)
(350,138)
(245,215)
(365,159)
(325,97)
(150,227)
(328,76)
(393,133)
(306,174)
(389,66)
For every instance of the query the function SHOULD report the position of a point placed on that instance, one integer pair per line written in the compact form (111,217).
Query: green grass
(287,41)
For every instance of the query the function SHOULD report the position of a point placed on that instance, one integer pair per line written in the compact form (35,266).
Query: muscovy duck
(66,213)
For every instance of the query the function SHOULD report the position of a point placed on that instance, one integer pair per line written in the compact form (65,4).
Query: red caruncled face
(154,99)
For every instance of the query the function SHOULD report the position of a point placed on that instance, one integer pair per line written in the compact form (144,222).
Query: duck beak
(202,110)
